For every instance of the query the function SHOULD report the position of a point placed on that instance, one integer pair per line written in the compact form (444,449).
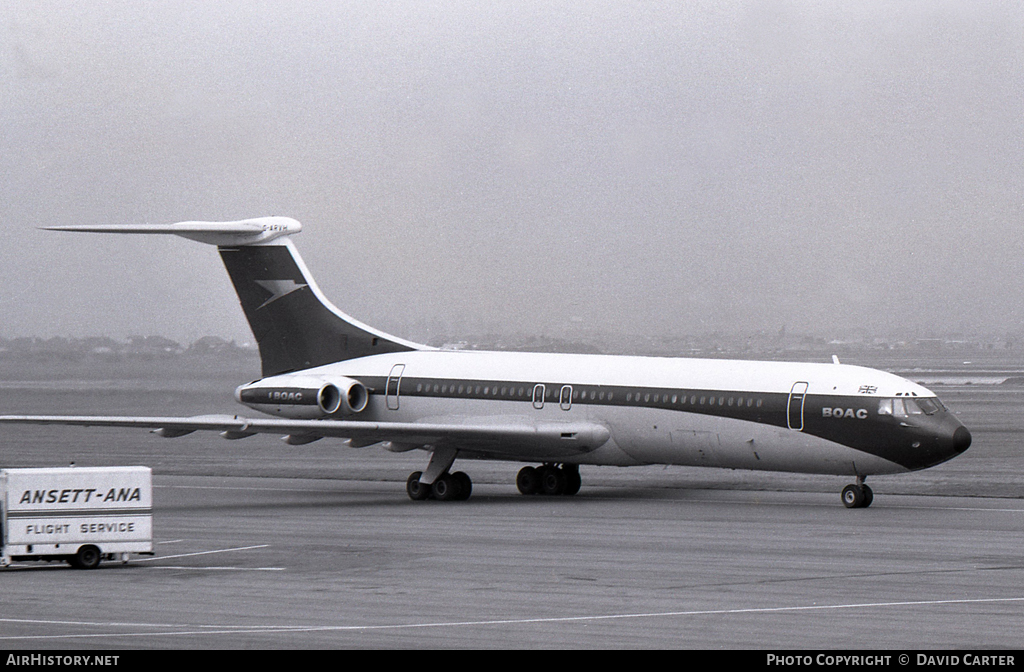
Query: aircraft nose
(948,440)
(961,439)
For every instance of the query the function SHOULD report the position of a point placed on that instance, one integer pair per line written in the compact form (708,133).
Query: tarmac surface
(266,546)
(297,563)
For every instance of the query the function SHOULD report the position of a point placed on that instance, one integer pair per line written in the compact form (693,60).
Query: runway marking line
(224,569)
(255,629)
(212,568)
(187,555)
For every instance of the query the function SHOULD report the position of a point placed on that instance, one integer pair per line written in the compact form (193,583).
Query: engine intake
(349,399)
(304,397)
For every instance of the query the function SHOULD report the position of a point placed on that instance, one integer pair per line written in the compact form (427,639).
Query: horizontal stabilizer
(242,232)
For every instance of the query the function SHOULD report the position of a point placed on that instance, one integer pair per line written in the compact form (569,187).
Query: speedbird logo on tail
(278,288)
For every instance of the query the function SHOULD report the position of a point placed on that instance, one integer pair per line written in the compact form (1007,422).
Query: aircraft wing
(496,437)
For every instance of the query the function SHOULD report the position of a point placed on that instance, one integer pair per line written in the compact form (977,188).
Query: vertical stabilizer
(293,322)
(295,325)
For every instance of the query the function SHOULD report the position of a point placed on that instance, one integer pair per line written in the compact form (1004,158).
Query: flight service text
(84,528)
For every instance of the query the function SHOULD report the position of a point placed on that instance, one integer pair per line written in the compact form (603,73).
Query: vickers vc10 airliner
(327,375)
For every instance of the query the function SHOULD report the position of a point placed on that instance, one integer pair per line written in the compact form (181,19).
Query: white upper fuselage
(635,371)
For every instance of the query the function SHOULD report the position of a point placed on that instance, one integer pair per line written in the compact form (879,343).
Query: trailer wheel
(88,557)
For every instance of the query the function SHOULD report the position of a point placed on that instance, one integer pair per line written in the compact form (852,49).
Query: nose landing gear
(857,495)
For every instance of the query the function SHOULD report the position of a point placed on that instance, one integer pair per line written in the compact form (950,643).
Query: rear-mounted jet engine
(304,397)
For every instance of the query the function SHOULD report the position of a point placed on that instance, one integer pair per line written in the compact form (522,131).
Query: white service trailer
(79,514)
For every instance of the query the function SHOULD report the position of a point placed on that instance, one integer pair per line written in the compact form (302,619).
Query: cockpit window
(912,407)
(902,407)
(929,406)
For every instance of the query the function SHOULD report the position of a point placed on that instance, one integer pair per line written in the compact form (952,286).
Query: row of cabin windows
(602,395)
(695,400)
(523,392)
(487,390)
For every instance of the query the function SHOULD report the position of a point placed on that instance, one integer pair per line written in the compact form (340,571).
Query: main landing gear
(549,480)
(544,480)
(437,483)
(857,495)
(447,487)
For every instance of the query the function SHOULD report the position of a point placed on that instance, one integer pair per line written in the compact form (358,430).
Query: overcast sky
(629,167)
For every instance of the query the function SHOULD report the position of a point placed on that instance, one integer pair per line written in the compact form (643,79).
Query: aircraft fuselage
(784,416)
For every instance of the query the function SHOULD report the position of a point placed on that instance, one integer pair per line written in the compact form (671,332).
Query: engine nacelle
(304,397)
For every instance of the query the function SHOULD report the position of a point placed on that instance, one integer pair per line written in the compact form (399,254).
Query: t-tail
(294,324)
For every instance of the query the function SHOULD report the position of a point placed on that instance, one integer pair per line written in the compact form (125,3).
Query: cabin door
(795,414)
(394,384)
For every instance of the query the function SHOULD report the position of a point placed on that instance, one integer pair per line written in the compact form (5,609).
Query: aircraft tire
(445,488)
(465,485)
(853,497)
(573,482)
(528,481)
(868,496)
(552,480)
(417,491)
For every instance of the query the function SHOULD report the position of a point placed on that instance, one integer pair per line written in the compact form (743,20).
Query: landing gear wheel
(552,480)
(572,479)
(854,497)
(465,485)
(417,491)
(868,496)
(88,557)
(445,488)
(528,481)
